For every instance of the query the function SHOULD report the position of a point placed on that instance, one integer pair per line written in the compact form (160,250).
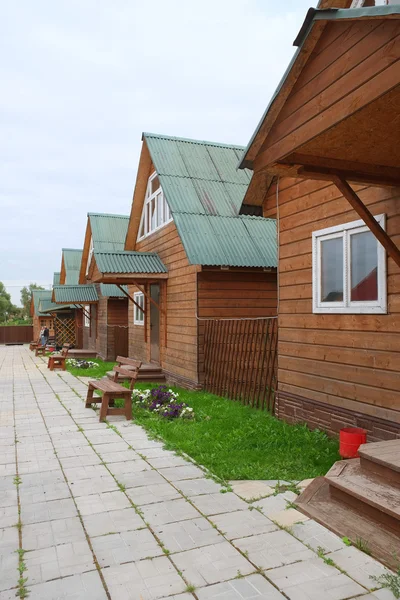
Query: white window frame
(90,255)
(86,319)
(345,232)
(138,315)
(360,3)
(163,210)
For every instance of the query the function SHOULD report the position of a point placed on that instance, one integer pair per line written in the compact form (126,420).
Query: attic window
(156,211)
(361,3)
(89,256)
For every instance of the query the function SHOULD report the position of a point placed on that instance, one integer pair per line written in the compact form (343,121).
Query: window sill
(353,310)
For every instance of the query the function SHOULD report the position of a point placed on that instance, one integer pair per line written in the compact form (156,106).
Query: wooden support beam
(85,312)
(164,301)
(143,290)
(381,179)
(130,298)
(380,234)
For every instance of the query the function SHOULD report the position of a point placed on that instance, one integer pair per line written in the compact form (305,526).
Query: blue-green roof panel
(37,296)
(110,290)
(75,294)
(72,264)
(108,231)
(129,262)
(229,241)
(56,278)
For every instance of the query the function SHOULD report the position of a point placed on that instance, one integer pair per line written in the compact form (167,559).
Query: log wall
(333,369)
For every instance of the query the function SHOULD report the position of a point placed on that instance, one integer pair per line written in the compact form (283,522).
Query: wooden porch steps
(360,499)
(82,353)
(148,373)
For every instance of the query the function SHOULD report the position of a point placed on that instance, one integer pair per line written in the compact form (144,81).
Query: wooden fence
(16,334)
(240,360)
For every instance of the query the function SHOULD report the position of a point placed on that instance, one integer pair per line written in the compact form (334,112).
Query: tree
(7,308)
(26,298)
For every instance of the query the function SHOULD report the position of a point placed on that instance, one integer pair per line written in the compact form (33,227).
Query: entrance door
(155,324)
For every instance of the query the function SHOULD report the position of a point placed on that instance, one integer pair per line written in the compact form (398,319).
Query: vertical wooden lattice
(64,331)
(240,360)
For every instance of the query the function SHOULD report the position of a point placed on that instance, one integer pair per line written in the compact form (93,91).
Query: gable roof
(305,41)
(56,278)
(47,306)
(37,296)
(108,231)
(198,177)
(205,191)
(72,264)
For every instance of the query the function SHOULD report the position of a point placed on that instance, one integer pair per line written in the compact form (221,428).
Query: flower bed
(81,364)
(163,401)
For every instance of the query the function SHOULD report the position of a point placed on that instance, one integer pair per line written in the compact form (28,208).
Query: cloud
(82,80)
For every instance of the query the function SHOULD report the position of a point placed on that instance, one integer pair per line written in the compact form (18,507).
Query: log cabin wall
(334,370)
(179,358)
(99,327)
(233,294)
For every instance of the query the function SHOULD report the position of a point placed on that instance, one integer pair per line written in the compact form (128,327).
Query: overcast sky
(81,80)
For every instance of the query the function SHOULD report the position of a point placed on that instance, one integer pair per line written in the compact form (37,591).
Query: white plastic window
(86,313)
(138,315)
(89,255)
(349,270)
(156,211)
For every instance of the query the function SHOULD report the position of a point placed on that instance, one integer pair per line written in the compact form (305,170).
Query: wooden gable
(85,253)
(346,94)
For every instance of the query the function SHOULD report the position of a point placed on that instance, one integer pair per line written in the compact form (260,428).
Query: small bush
(163,401)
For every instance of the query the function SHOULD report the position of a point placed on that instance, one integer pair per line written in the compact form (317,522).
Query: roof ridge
(202,179)
(192,141)
(93,214)
(72,249)
(125,252)
(241,217)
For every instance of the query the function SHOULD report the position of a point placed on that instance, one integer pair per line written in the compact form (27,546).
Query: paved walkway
(102,512)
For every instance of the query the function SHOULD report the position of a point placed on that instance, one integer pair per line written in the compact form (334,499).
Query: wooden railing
(240,360)
(16,334)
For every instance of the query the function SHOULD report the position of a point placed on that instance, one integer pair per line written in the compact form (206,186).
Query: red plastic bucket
(350,439)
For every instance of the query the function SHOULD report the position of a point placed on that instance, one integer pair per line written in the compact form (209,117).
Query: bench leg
(128,407)
(89,397)
(104,406)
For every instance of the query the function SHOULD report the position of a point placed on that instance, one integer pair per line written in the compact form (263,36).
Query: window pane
(332,270)
(153,214)
(159,209)
(155,184)
(364,266)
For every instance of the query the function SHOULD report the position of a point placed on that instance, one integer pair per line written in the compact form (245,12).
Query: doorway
(155,324)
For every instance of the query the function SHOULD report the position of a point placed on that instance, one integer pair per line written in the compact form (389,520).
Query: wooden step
(345,520)
(382,458)
(367,491)
(79,353)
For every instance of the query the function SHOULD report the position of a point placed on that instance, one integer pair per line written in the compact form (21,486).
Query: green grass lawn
(239,442)
(96,372)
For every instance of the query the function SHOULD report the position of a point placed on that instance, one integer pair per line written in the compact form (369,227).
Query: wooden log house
(326,163)
(189,256)
(106,329)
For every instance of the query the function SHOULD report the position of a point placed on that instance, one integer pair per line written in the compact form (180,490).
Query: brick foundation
(317,415)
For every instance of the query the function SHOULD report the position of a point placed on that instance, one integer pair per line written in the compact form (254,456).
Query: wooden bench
(114,391)
(57,361)
(40,351)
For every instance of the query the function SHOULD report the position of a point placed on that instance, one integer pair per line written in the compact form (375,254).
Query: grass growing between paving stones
(240,442)
(96,372)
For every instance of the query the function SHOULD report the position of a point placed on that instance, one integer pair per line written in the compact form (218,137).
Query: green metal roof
(129,262)
(74,294)
(205,191)
(72,264)
(313,15)
(112,291)
(108,231)
(228,241)
(47,306)
(198,177)
(37,296)
(56,278)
